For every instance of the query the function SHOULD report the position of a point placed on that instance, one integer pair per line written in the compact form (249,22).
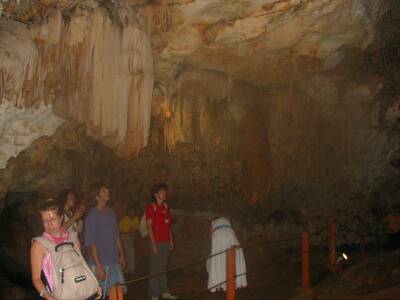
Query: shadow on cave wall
(18,222)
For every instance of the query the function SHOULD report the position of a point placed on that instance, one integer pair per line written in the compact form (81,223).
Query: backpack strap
(73,237)
(49,246)
(155,206)
(45,281)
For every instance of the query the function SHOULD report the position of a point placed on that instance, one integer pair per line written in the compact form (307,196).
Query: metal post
(305,261)
(231,274)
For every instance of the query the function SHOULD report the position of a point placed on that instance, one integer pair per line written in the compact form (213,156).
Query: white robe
(223,237)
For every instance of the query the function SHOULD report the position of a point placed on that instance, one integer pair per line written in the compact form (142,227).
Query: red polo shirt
(162,221)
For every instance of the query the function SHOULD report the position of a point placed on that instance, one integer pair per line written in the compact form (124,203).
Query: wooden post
(305,261)
(306,292)
(362,246)
(116,293)
(332,244)
(120,292)
(231,274)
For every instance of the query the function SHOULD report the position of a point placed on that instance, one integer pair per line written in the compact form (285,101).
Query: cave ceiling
(261,41)
(265,42)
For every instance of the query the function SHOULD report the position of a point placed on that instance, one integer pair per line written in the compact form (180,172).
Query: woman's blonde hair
(49,205)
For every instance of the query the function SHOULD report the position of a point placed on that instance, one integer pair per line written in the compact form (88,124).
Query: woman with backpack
(53,281)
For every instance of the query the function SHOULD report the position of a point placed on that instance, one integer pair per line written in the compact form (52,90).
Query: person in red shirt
(159,221)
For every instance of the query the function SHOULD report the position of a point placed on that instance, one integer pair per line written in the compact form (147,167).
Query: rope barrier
(237,275)
(245,273)
(269,243)
(197,261)
(331,236)
(204,258)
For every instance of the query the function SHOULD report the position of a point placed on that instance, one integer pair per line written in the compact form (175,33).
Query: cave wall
(322,134)
(221,142)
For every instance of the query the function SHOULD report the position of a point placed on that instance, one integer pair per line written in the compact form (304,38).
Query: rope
(244,273)
(248,246)
(197,261)
(204,258)
(237,275)
(268,243)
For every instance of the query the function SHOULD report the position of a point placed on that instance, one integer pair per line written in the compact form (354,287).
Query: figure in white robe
(223,237)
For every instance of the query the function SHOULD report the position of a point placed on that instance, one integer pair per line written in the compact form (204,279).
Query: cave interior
(281,115)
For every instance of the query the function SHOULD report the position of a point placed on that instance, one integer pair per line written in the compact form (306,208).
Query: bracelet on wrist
(44,291)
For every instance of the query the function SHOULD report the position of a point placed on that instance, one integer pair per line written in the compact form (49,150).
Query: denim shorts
(113,276)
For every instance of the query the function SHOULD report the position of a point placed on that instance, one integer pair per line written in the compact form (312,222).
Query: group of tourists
(58,265)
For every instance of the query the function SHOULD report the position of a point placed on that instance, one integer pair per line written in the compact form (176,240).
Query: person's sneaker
(168,296)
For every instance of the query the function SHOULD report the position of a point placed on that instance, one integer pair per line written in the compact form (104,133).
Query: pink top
(47,266)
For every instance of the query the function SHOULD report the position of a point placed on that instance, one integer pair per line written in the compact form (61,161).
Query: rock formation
(92,67)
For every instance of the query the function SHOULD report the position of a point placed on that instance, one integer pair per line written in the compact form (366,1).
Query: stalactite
(18,60)
(95,69)
(165,15)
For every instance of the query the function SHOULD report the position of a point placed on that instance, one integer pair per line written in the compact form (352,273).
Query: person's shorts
(113,276)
